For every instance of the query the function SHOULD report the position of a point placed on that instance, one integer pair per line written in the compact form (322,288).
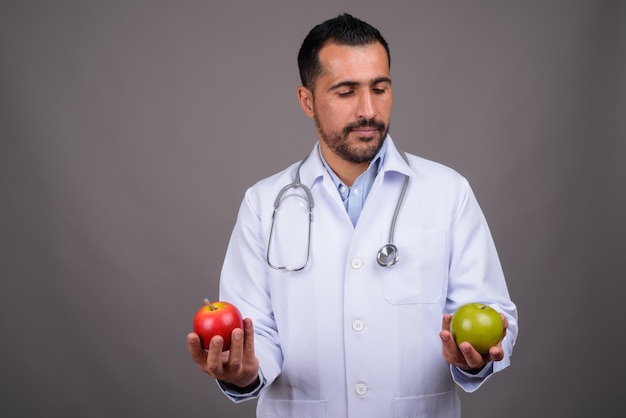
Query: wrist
(473,371)
(242,387)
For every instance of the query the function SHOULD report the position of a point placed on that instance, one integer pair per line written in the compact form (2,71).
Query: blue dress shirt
(354,196)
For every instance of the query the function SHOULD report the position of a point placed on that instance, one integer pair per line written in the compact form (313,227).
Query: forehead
(356,63)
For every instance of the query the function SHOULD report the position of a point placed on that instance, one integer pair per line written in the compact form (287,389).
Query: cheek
(385,107)
(332,117)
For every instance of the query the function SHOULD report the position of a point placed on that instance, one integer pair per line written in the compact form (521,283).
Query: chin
(364,154)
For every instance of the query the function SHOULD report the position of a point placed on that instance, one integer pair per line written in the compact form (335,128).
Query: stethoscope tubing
(296,184)
(387,256)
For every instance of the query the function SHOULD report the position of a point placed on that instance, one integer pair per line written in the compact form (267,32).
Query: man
(333,327)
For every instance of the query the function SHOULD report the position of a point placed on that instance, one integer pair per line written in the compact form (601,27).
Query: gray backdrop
(130,130)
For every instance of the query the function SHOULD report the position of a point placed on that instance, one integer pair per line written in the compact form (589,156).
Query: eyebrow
(349,83)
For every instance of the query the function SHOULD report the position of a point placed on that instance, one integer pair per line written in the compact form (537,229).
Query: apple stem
(211,307)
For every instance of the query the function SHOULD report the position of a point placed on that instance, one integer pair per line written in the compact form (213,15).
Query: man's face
(351,103)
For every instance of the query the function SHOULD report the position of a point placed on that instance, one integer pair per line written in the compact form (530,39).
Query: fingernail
(237,335)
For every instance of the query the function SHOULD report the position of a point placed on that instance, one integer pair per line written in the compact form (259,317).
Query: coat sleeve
(476,275)
(244,282)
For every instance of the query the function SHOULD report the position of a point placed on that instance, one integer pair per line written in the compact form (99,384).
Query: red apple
(478,324)
(216,318)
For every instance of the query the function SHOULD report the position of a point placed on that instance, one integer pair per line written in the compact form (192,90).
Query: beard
(364,150)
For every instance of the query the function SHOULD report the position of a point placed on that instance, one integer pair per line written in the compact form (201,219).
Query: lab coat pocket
(284,408)
(420,273)
(439,405)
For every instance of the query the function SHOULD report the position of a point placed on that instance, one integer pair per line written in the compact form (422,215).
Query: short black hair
(342,30)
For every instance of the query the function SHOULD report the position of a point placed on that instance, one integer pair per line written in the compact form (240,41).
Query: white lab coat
(345,337)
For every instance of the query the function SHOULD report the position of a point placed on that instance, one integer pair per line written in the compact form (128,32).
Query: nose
(366,108)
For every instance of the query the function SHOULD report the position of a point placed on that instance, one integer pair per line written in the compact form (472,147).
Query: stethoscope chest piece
(388,255)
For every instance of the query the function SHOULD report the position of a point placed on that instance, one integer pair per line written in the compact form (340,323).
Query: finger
(248,338)
(496,353)
(450,351)
(505,321)
(449,345)
(195,349)
(472,357)
(505,324)
(236,351)
(445,322)
(214,357)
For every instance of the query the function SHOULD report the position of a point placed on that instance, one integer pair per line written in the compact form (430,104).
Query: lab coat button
(360,389)
(357,263)
(358,325)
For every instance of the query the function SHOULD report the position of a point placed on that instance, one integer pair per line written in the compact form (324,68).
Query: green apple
(478,324)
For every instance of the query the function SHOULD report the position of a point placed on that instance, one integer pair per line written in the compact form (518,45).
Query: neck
(347,171)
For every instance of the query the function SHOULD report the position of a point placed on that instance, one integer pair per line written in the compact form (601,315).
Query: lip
(365,130)
(365,133)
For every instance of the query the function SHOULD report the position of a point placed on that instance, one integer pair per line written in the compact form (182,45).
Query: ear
(305,99)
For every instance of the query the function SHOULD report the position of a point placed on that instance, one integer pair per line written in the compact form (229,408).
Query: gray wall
(130,130)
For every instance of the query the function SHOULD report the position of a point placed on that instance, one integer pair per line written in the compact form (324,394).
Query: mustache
(365,123)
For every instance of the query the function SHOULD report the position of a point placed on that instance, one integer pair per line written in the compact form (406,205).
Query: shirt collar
(390,160)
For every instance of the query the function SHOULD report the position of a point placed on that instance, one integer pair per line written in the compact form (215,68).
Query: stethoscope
(387,256)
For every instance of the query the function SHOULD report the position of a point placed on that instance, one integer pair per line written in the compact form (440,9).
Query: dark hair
(342,30)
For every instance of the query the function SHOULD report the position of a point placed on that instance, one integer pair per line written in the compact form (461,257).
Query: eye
(379,90)
(345,93)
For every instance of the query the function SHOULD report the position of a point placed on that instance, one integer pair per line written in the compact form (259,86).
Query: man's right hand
(238,366)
